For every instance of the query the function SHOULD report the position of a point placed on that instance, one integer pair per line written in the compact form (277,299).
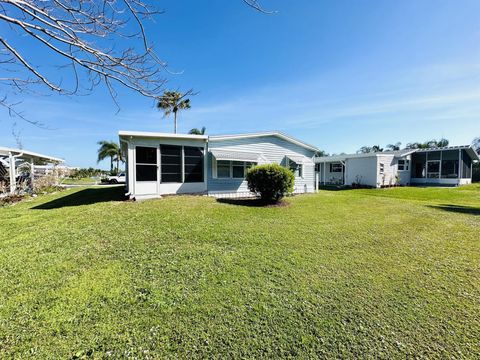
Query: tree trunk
(111,163)
(175,122)
(117,164)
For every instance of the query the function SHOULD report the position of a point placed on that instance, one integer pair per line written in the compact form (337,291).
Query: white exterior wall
(441,181)
(390,170)
(273,150)
(362,170)
(404,175)
(149,189)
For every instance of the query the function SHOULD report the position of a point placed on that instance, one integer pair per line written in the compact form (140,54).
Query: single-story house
(162,163)
(437,166)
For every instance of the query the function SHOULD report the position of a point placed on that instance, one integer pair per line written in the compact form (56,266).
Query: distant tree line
(431,144)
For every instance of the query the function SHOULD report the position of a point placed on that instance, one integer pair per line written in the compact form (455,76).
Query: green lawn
(81,181)
(391,273)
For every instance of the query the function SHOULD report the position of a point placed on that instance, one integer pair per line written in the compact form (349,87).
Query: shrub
(271,182)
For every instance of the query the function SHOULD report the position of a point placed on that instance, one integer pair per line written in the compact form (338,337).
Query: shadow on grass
(457,208)
(86,197)
(251,202)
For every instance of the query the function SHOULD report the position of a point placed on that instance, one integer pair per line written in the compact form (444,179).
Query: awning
(234,155)
(299,159)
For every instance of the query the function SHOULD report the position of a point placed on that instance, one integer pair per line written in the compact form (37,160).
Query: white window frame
(300,168)
(215,167)
(381,168)
(405,166)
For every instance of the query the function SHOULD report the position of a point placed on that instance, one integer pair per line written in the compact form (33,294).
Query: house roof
(343,157)
(468,148)
(261,134)
(5,151)
(123,133)
(399,153)
(299,159)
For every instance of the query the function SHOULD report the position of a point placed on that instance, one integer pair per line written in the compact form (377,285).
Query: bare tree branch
(256,5)
(80,32)
(90,42)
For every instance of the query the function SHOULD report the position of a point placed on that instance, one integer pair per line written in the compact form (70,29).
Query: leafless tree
(91,42)
(93,38)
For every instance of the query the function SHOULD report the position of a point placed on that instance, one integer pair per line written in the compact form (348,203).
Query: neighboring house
(160,163)
(440,166)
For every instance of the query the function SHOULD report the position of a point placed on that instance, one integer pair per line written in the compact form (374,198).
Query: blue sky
(336,74)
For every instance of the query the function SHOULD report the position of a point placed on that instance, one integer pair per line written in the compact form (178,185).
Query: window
(193,158)
(146,163)
(433,169)
(382,168)
(403,165)
(171,163)
(223,169)
(238,169)
(336,167)
(232,169)
(296,168)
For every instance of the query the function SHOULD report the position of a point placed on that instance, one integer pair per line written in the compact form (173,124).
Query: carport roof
(5,151)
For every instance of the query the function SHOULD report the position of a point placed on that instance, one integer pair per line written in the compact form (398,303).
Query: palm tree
(377,148)
(172,102)
(394,147)
(196,131)
(109,149)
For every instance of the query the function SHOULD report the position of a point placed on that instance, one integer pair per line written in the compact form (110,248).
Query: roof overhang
(473,154)
(300,159)
(20,153)
(468,148)
(147,134)
(235,155)
(343,157)
(262,134)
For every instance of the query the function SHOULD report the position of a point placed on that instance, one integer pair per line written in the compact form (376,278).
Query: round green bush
(271,182)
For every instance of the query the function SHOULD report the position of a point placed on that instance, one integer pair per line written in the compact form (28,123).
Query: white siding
(273,150)
(390,170)
(362,170)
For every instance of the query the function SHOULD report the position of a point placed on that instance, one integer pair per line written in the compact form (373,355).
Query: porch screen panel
(193,164)
(146,163)
(466,164)
(418,165)
(171,163)
(450,164)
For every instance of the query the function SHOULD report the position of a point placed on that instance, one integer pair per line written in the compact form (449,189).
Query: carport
(12,160)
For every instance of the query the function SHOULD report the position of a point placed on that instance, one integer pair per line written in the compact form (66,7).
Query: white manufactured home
(160,163)
(439,166)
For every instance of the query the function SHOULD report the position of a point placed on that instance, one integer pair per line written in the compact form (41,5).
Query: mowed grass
(391,273)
